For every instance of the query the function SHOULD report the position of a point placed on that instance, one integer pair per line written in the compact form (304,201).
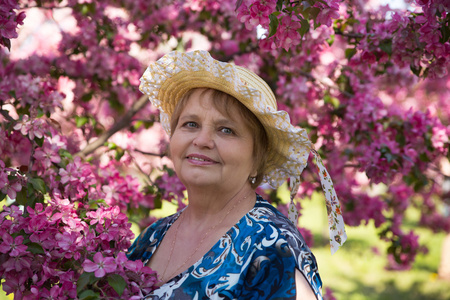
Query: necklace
(163,278)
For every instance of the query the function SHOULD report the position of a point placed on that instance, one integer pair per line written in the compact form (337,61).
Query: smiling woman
(211,150)
(226,137)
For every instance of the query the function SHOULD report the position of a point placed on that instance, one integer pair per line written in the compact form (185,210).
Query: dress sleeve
(139,250)
(271,274)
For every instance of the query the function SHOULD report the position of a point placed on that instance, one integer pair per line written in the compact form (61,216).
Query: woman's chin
(196,180)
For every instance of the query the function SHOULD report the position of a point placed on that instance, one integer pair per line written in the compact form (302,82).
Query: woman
(227,138)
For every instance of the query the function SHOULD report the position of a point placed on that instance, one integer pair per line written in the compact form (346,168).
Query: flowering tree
(81,150)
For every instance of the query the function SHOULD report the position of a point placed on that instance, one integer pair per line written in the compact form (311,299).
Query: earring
(252,179)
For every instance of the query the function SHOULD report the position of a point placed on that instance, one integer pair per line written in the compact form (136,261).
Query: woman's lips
(198,159)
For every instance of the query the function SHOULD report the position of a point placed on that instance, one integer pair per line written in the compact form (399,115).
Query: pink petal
(98,257)
(100,273)
(109,264)
(89,266)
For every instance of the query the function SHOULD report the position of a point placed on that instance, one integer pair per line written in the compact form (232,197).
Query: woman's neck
(206,206)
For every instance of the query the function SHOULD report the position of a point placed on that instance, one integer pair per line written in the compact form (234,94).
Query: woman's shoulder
(283,239)
(266,213)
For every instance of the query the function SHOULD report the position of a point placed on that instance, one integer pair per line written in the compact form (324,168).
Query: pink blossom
(48,154)
(56,292)
(15,284)
(66,240)
(36,129)
(12,246)
(107,231)
(100,266)
(287,34)
(172,188)
(23,125)
(11,188)
(18,264)
(326,16)
(3,179)
(440,137)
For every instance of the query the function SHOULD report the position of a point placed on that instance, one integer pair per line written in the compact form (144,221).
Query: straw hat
(168,79)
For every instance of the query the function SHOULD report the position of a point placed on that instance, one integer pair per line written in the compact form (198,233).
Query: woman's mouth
(198,158)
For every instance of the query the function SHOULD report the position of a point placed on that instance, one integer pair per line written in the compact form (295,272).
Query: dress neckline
(175,217)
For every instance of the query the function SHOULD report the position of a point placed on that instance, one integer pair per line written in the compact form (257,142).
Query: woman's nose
(204,138)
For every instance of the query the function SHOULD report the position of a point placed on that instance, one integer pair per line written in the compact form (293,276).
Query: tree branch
(121,124)
(6,115)
(349,34)
(150,153)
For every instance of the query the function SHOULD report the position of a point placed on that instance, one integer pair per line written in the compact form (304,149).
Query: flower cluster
(286,25)
(48,251)
(9,20)
(418,41)
(171,188)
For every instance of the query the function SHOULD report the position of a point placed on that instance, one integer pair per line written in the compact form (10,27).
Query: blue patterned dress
(255,259)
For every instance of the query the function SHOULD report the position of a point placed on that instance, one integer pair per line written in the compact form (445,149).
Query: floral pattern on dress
(255,259)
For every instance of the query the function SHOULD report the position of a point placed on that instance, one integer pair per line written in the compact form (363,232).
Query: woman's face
(209,149)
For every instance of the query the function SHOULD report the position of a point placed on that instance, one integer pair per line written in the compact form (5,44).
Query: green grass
(356,272)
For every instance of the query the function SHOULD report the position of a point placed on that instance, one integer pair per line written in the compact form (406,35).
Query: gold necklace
(163,278)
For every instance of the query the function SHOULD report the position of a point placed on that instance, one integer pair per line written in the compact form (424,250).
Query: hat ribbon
(335,221)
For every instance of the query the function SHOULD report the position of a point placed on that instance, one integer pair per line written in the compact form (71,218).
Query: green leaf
(117,282)
(21,198)
(88,295)
(349,52)
(86,97)
(7,43)
(304,27)
(40,141)
(330,41)
(88,8)
(416,71)
(2,196)
(273,25)
(331,100)
(389,157)
(115,103)
(81,121)
(65,153)
(83,281)
(386,46)
(157,201)
(445,34)
(111,145)
(35,248)
(40,112)
(313,13)
(119,153)
(38,184)
(424,157)
(279,4)
(94,204)
(138,124)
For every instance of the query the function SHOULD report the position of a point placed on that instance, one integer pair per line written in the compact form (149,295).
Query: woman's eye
(226,130)
(190,125)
